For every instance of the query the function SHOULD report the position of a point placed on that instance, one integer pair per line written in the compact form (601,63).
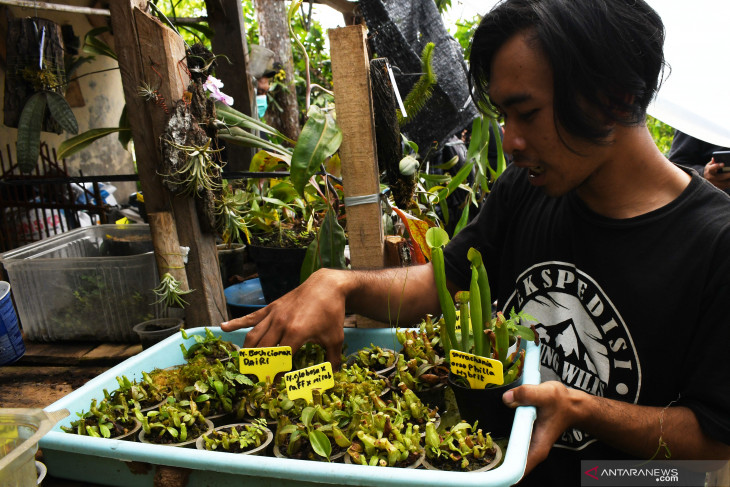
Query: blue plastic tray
(117,462)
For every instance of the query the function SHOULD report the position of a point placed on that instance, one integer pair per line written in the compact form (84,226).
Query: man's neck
(635,179)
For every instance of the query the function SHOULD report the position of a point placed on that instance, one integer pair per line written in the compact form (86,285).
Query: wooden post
(351,77)
(151,53)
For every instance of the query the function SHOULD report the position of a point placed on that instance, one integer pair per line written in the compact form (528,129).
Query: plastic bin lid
(245,294)
(37,419)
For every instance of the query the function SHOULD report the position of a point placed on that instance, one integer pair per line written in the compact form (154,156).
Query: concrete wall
(103,100)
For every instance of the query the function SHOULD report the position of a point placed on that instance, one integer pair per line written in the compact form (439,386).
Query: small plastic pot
(416,464)
(186,444)
(497,458)
(336,458)
(156,330)
(259,450)
(485,406)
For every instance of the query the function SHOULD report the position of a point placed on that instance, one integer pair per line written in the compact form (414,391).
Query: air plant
(170,292)
(199,168)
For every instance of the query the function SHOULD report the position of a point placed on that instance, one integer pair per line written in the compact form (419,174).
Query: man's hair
(605,55)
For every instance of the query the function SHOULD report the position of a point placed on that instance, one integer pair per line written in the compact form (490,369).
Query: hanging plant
(170,292)
(31,122)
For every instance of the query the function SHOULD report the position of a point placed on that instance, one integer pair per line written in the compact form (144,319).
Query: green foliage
(662,134)
(443,5)
(422,90)
(465,32)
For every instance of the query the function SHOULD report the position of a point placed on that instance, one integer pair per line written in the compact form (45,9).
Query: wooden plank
(111,353)
(351,78)
(157,197)
(353,99)
(154,54)
(166,53)
(225,17)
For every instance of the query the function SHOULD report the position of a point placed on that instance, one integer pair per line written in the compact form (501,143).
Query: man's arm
(633,429)
(315,311)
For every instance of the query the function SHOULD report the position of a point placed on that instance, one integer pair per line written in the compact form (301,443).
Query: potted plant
(210,346)
(426,376)
(246,438)
(144,395)
(268,401)
(105,420)
(314,436)
(481,335)
(172,424)
(462,448)
(379,442)
(424,343)
(378,359)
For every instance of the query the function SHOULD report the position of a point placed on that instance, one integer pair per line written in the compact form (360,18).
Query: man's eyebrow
(512,100)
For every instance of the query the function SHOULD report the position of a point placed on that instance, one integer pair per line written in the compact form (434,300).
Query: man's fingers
(247,321)
(254,335)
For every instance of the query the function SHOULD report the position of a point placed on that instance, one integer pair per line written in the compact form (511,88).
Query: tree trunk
(274,35)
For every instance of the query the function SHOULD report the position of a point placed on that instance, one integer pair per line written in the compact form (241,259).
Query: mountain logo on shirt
(585,343)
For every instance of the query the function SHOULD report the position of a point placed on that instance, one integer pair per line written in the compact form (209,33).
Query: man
(621,256)
(695,153)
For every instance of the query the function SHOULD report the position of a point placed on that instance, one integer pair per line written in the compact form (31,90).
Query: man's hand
(633,429)
(553,401)
(717,178)
(313,312)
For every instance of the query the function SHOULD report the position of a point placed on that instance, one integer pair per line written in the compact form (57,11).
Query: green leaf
(320,443)
(94,45)
(80,142)
(104,429)
(29,131)
(61,112)
(125,129)
(173,432)
(455,181)
(320,138)
(463,220)
(328,249)
(307,415)
(233,117)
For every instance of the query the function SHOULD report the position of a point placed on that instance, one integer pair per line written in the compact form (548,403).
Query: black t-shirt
(691,152)
(632,309)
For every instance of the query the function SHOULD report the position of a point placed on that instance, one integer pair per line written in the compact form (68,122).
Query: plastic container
(244,298)
(156,330)
(107,462)
(11,340)
(20,431)
(93,283)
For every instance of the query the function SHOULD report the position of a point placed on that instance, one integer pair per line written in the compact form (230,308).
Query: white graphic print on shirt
(584,341)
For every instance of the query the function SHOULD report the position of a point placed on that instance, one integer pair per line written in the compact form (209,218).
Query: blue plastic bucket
(11,341)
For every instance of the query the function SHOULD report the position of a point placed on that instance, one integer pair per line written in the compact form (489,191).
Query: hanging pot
(35,62)
(485,406)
